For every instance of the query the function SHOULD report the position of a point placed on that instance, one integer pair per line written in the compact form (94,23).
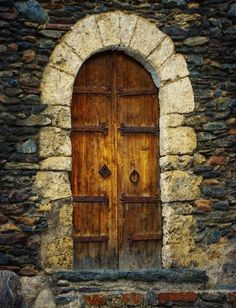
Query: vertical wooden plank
(139,223)
(92,150)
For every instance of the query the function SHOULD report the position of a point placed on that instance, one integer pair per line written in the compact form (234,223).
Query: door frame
(142,40)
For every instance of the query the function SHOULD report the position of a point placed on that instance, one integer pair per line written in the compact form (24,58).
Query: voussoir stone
(65,59)
(52,185)
(127,25)
(173,68)
(84,38)
(56,163)
(179,186)
(176,97)
(56,87)
(178,140)
(109,26)
(54,142)
(161,53)
(146,37)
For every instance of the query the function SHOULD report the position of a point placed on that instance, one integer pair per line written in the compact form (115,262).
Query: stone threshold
(173,275)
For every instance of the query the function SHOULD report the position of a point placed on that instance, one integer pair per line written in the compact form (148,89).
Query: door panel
(117,218)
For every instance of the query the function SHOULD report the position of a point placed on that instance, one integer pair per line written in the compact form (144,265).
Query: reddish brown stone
(177,297)
(232,131)
(210,182)
(95,300)
(28,56)
(13,46)
(232,298)
(217,160)
(203,205)
(133,299)
(59,26)
(30,221)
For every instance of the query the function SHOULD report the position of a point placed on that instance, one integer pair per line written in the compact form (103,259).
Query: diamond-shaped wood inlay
(104,171)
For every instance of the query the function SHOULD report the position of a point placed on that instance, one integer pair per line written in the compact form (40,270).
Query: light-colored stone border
(142,40)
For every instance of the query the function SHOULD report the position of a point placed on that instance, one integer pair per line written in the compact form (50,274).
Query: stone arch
(142,40)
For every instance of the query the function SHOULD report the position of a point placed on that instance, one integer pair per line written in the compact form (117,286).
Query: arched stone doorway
(143,41)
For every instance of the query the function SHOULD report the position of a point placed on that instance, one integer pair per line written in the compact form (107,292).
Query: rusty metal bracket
(91,199)
(138,129)
(102,128)
(139,199)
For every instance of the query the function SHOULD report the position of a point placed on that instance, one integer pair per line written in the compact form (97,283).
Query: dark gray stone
(29,146)
(4,260)
(213,237)
(10,290)
(31,10)
(211,126)
(178,2)
(221,205)
(45,43)
(213,191)
(51,33)
(175,275)
(232,10)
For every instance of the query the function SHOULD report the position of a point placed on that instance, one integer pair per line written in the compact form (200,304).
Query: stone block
(58,253)
(45,299)
(54,142)
(60,115)
(127,25)
(96,300)
(146,37)
(56,163)
(109,26)
(176,97)
(31,287)
(177,297)
(57,87)
(173,162)
(52,185)
(132,299)
(178,140)
(173,68)
(34,120)
(84,38)
(65,59)
(161,53)
(179,186)
(171,120)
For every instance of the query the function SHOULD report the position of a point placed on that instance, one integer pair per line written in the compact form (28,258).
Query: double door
(115,176)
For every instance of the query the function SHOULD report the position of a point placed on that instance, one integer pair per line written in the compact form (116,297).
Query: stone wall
(204,33)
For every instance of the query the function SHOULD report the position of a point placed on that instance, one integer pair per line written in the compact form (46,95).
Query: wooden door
(115,175)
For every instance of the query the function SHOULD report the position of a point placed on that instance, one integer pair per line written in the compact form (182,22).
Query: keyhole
(134,177)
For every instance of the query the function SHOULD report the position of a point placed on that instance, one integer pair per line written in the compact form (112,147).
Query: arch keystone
(109,27)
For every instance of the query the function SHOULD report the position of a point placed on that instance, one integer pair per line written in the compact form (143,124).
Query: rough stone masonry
(204,33)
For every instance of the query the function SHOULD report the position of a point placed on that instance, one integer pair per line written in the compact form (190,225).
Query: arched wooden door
(115,176)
